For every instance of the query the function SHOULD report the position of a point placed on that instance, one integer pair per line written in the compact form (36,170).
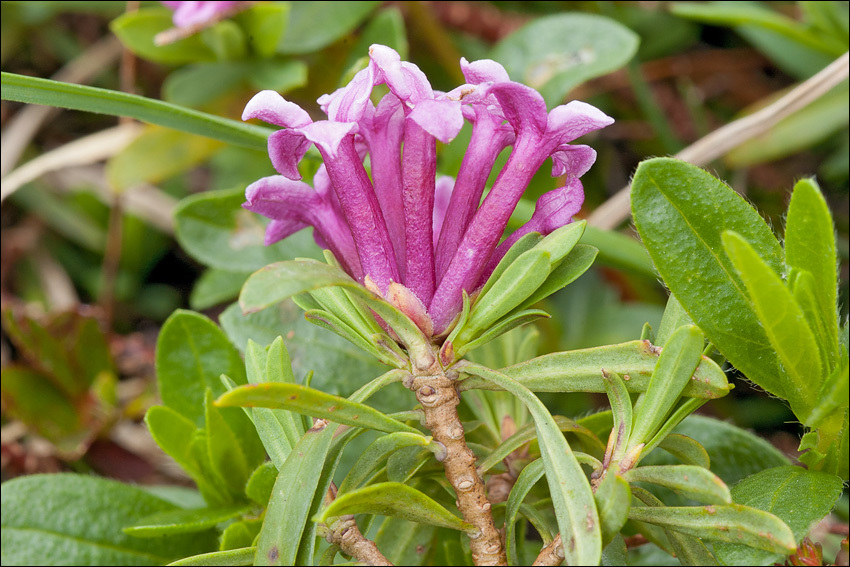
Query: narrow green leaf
(810,247)
(560,242)
(307,401)
(799,497)
(261,483)
(520,247)
(33,90)
(529,433)
(571,494)
(289,507)
(396,500)
(229,461)
(507,324)
(687,450)
(569,269)
(688,480)
(581,371)
(526,480)
(783,321)
(674,317)
(377,454)
(679,359)
(730,523)
(686,407)
(331,322)
(517,283)
(182,521)
(802,286)
(243,556)
(613,501)
(621,411)
(680,212)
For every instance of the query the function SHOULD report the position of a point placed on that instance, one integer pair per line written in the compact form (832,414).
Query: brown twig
(439,398)
(344,532)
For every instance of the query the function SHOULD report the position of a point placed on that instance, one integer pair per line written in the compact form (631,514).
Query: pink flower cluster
(402,224)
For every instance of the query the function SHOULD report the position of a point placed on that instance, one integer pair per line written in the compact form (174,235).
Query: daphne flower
(418,241)
(196,13)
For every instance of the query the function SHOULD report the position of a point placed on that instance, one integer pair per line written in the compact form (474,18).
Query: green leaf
(395,500)
(613,501)
(191,354)
(688,480)
(517,283)
(520,247)
(687,450)
(581,371)
(137,30)
(265,25)
(810,247)
(783,322)
(203,83)
(242,533)
(337,18)
(675,368)
(33,90)
(260,485)
(403,542)
(507,324)
(574,265)
(799,497)
(156,155)
(243,556)
(74,519)
(622,413)
(183,521)
(289,507)
(307,401)
(176,435)
(215,229)
(226,39)
(232,459)
(680,212)
(728,523)
(554,54)
(376,455)
(526,480)
(802,286)
(833,396)
(277,75)
(674,317)
(568,486)
(216,286)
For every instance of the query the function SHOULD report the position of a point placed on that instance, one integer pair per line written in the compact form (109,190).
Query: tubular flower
(401,231)
(197,13)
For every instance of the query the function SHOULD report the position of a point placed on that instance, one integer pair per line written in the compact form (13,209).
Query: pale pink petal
(270,107)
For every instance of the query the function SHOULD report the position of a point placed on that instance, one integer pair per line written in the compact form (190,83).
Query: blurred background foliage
(103,241)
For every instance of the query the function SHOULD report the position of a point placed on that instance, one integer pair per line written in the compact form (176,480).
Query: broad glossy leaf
(688,480)
(613,501)
(137,30)
(529,476)
(337,18)
(265,25)
(396,500)
(289,507)
(581,371)
(727,523)
(680,212)
(554,54)
(799,497)
(191,354)
(376,455)
(301,399)
(810,247)
(674,370)
(183,521)
(232,458)
(783,322)
(243,556)
(216,286)
(277,75)
(215,229)
(33,90)
(568,486)
(87,528)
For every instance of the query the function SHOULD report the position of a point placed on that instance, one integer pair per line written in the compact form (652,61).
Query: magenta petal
(270,107)
(523,106)
(328,136)
(574,119)
(405,80)
(442,118)
(193,13)
(442,195)
(483,71)
(571,160)
(348,103)
(277,230)
(286,148)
